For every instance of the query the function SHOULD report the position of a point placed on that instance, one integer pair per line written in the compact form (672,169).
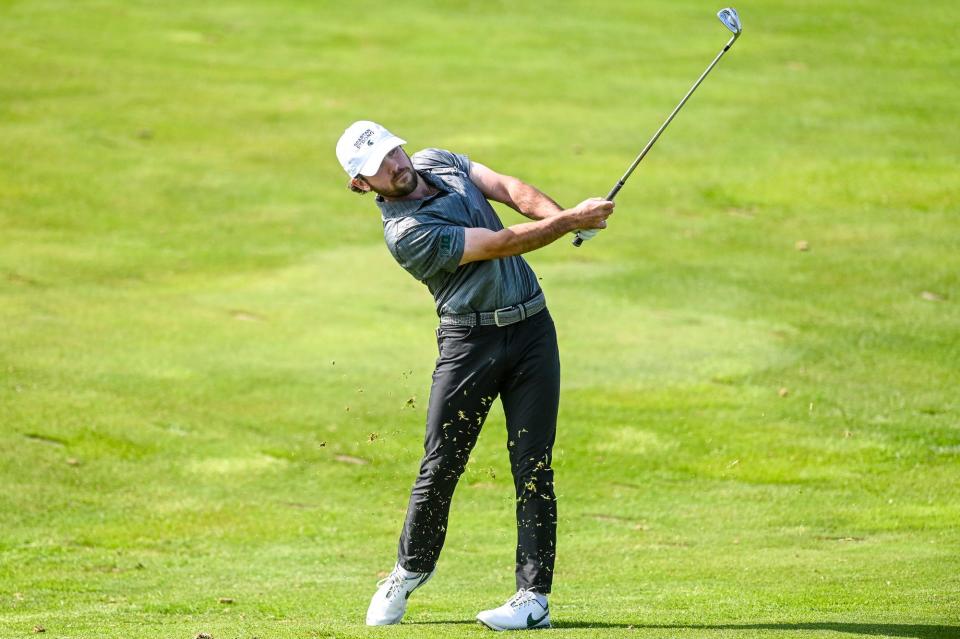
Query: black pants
(521,364)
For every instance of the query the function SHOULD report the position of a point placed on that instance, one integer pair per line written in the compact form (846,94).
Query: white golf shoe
(526,609)
(390,601)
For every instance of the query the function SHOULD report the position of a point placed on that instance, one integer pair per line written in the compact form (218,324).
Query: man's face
(396,176)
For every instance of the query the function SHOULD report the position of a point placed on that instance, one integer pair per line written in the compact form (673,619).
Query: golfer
(495,338)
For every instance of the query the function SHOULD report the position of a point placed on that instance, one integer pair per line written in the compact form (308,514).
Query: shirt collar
(400,208)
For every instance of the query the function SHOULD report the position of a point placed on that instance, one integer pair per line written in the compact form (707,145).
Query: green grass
(207,354)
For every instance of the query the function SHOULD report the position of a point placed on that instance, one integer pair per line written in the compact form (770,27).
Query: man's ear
(359,184)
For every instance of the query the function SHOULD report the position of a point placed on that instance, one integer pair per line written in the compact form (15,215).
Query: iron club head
(730,20)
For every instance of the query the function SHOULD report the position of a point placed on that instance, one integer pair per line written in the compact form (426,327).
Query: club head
(730,20)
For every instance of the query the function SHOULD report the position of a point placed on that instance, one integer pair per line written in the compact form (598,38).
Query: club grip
(616,189)
(577,241)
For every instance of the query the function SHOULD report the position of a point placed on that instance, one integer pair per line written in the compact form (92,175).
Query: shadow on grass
(916,631)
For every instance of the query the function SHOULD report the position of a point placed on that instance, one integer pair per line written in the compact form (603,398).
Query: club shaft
(656,136)
(623,180)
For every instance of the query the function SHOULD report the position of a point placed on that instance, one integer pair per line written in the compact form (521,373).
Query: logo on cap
(366,136)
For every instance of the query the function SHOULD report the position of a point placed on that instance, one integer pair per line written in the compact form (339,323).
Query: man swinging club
(495,338)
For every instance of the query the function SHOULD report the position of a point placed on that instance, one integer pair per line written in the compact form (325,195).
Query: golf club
(730,20)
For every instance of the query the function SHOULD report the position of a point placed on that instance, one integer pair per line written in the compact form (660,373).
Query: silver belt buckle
(496,315)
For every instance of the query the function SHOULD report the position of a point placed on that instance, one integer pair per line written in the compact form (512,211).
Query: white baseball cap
(362,147)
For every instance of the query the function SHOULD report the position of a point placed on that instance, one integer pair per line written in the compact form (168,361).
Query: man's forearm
(529,236)
(531,202)
(481,243)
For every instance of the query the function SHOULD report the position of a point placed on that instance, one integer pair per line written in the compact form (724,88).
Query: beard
(403,183)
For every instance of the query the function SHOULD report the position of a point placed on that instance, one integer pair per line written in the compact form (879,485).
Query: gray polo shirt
(426,238)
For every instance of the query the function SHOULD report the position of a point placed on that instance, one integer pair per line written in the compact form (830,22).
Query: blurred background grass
(214,376)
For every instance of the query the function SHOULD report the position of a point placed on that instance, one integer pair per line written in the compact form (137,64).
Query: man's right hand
(591,213)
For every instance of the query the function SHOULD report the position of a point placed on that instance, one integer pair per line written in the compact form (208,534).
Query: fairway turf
(213,375)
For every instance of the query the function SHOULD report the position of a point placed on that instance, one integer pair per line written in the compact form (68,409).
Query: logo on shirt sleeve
(446,245)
